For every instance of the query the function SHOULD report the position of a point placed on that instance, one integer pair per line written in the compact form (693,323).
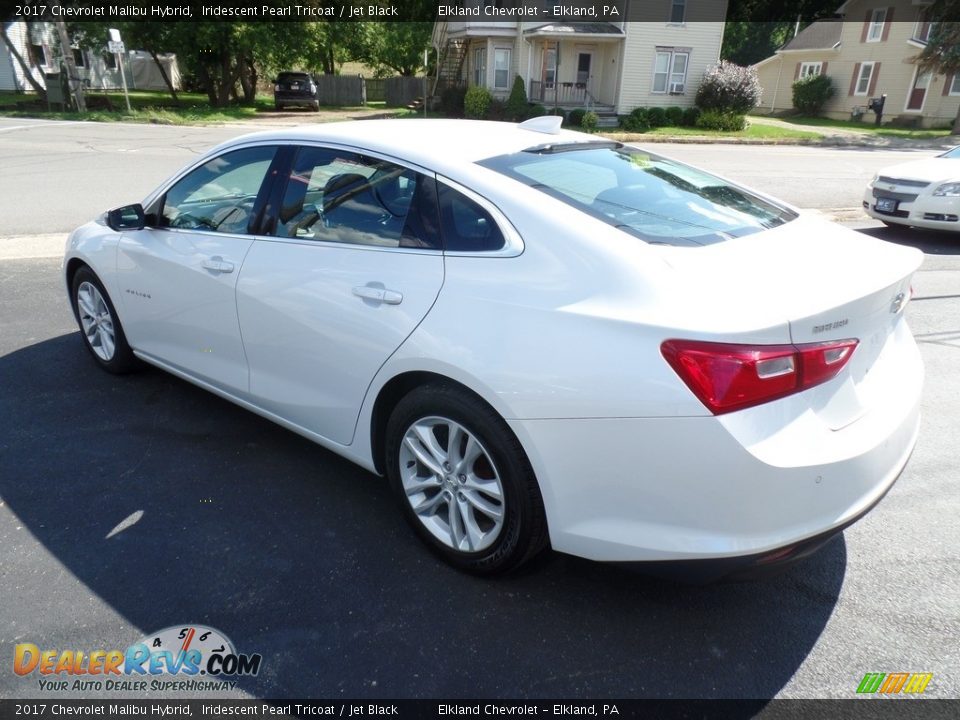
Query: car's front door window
(218,196)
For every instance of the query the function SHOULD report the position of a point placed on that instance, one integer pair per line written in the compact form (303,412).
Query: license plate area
(886,205)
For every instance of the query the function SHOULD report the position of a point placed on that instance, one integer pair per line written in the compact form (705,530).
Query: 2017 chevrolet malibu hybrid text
(538,336)
(921,193)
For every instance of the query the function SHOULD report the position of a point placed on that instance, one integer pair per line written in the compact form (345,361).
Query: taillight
(727,377)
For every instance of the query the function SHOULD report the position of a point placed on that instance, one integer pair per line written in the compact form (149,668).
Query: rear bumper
(740,488)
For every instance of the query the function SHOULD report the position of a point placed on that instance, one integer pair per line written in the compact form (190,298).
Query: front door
(354,266)
(584,61)
(178,278)
(918,92)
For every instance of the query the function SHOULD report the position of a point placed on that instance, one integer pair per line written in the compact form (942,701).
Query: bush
(729,87)
(517,102)
(451,101)
(536,111)
(636,121)
(497,110)
(657,117)
(690,116)
(476,102)
(721,120)
(811,93)
(674,116)
(589,121)
(557,111)
(575,117)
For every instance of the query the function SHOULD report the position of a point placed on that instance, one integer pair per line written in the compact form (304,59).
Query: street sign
(116,46)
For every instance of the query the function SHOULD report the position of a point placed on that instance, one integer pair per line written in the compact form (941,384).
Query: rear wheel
(99,325)
(463,481)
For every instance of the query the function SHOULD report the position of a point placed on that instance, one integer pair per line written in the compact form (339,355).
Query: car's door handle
(218,264)
(377,294)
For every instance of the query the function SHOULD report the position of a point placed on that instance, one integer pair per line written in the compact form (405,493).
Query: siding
(703,39)
(895,77)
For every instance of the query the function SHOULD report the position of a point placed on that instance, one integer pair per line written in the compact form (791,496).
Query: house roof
(821,35)
(578,28)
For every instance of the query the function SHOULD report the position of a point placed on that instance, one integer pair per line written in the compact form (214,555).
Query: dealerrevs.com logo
(189,658)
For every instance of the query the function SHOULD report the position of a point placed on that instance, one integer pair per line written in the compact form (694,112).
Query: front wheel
(463,481)
(99,325)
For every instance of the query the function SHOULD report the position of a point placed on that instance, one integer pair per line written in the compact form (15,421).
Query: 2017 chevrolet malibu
(920,193)
(538,336)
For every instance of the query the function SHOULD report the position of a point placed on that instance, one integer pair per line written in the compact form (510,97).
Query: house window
(955,84)
(678,9)
(39,56)
(875,32)
(501,68)
(863,79)
(670,71)
(79,58)
(480,66)
(550,67)
(923,28)
(810,68)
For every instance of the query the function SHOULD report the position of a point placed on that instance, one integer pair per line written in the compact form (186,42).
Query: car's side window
(219,195)
(346,197)
(466,226)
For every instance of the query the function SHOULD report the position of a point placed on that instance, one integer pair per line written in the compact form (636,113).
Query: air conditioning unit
(676,88)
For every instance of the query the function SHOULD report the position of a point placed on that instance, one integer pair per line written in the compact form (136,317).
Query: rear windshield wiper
(554,148)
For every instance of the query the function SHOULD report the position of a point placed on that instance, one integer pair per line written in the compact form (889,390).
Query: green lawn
(753,132)
(147,107)
(869,127)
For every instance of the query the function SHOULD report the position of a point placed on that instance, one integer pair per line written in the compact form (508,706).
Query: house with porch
(609,67)
(869,51)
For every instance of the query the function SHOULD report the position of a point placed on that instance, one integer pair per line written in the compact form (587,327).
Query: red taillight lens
(728,377)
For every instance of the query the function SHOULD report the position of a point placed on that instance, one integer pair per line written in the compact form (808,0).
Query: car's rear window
(293,77)
(655,199)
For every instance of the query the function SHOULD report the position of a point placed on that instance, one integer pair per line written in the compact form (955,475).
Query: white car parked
(921,193)
(540,337)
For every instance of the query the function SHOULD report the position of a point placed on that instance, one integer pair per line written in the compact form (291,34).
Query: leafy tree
(394,47)
(942,53)
(755,29)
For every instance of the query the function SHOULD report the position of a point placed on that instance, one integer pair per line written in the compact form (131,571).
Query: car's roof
(435,144)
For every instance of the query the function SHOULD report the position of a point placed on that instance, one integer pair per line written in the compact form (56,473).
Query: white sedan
(540,337)
(920,193)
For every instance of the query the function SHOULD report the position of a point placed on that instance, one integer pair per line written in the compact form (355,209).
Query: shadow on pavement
(301,556)
(932,242)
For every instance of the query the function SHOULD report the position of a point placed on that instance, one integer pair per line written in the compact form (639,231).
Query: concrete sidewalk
(21,247)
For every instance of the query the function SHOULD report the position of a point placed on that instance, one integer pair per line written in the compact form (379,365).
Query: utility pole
(73,77)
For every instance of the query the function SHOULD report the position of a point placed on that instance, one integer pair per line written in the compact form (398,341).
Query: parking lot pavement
(132,504)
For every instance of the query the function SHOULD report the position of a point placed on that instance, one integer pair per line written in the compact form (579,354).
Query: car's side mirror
(128,217)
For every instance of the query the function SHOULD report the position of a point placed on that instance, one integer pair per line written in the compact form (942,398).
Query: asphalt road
(128,505)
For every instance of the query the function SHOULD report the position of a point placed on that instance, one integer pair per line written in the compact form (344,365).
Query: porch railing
(562,93)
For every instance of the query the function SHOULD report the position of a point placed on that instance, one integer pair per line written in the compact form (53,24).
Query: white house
(38,45)
(611,67)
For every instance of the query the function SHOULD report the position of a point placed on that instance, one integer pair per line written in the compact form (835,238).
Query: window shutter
(887,25)
(873,78)
(866,26)
(823,68)
(947,82)
(853,80)
(796,73)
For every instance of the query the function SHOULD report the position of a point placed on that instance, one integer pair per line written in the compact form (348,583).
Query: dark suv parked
(295,89)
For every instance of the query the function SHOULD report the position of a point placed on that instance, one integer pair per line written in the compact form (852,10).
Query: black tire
(522,532)
(122,359)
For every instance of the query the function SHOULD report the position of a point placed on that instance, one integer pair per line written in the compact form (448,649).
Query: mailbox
(876,105)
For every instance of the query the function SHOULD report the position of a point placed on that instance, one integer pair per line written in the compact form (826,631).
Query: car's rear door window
(345,197)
